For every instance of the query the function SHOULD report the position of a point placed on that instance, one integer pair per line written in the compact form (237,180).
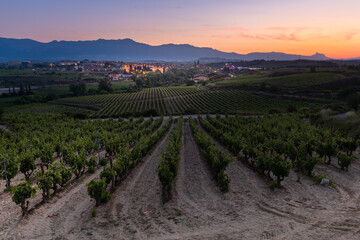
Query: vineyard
(295,81)
(272,145)
(168,177)
(180,100)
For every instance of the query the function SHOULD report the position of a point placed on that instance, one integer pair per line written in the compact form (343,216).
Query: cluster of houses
(118,71)
(113,69)
(231,67)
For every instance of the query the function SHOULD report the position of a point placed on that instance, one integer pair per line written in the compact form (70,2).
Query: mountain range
(127,50)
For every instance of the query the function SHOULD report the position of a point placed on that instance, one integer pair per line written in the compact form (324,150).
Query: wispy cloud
(350,35)
(247,33)
(295,34)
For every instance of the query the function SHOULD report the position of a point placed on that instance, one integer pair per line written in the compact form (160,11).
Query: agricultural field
(208,177)
(298,80)
(65,90)
(45,108)
(182,100)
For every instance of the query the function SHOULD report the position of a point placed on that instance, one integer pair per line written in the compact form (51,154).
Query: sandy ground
(197,210)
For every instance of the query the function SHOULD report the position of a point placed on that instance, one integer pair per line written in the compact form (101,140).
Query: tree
(27,165)
(105,85)
(22,89)
(353,100)
(78,88)
(97,190)
(1,112)
(21,193)
(139,82)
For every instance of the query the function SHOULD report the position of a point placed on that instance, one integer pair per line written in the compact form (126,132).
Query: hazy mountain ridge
(125,50)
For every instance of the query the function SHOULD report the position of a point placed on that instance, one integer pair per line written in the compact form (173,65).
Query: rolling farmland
(180,100)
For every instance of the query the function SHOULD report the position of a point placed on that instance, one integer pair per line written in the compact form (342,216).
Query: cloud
(247,33)
(348,36)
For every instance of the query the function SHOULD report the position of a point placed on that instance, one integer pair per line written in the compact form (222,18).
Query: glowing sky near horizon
(299,27)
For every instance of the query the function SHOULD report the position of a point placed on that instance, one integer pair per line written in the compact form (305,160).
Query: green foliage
(273,144)
(98,191)
(54,172)
(78,88)
(310,163)
(347,145)
(299,80)
(108,174)
(167,169)
(145,143)
(91,164)
(27,165)
(353,101)
(218,160)
(103,162)
(327,148)
(45,183)
(46,154)
(20,195)
(66,175)
(11,169)
(319,177)
(78,162)
(344,161)
(112,146)
(105,85)
(279,167)
(122,163)
(181,100)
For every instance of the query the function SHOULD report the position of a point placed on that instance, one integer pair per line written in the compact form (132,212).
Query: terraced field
(180,100)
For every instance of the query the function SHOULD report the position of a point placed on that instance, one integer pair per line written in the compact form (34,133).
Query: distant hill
(126,50)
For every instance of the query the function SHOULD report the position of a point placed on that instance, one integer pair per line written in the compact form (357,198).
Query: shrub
(21,193)
(97,190)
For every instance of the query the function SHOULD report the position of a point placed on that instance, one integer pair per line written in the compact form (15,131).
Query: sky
(301,27)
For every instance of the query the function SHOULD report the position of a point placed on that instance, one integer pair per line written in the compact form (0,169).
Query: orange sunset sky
(302,27)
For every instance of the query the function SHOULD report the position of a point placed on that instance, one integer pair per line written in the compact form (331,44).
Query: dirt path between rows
(305,210)
(37,225)
(198,210)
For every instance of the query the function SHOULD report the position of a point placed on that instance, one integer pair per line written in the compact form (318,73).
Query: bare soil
(198,209)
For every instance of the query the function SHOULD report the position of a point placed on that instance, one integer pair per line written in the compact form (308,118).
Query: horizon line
(164,44)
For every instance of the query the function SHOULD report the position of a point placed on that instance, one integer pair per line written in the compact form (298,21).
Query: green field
(289,81)
(181,100)
(43,108)
(61,91)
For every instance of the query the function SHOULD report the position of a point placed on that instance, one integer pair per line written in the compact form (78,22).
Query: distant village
(125,71)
